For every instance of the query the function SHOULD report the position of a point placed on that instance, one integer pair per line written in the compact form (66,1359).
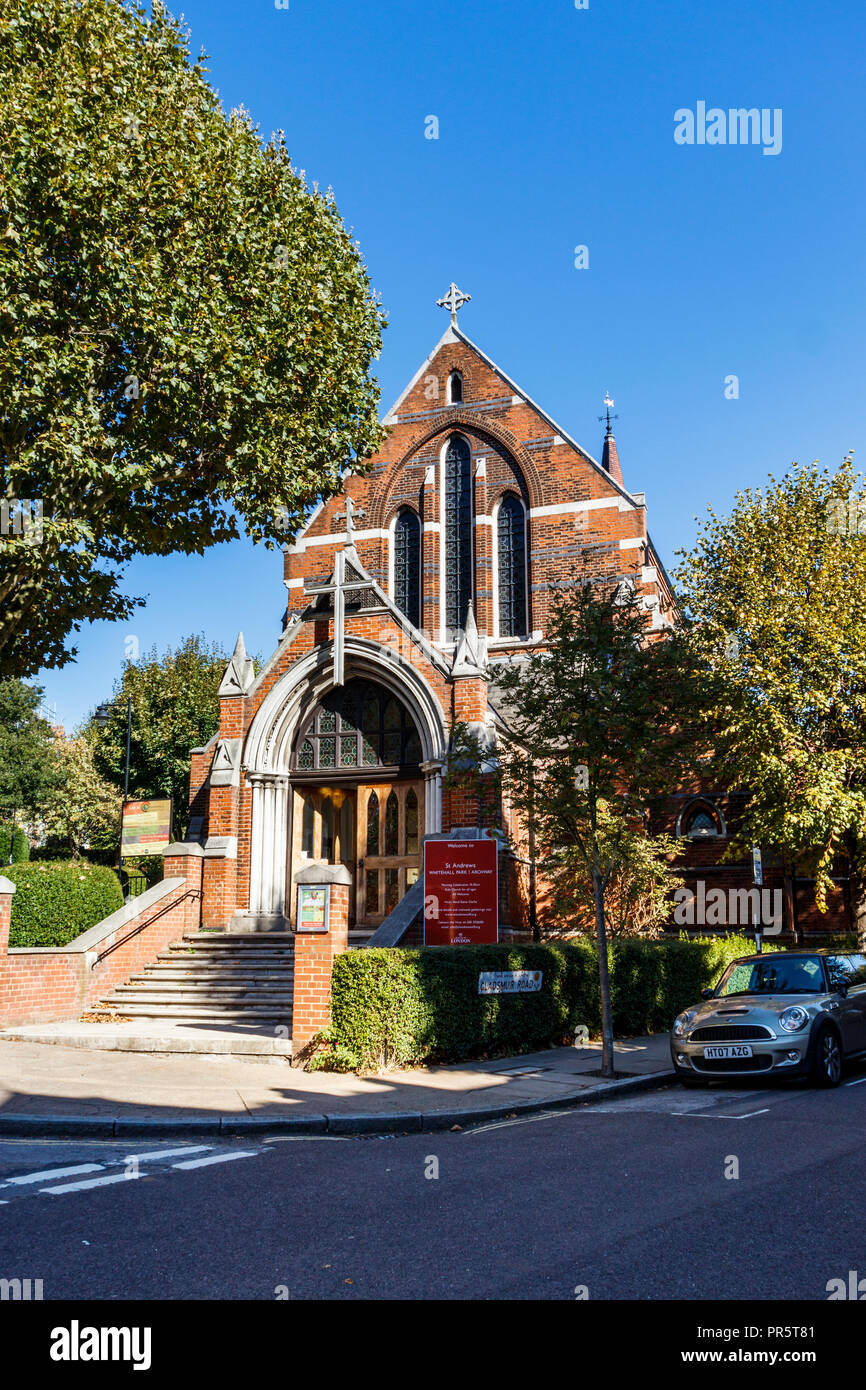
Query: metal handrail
(190,893)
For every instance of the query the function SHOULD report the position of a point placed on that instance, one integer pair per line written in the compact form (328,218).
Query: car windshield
(775,974)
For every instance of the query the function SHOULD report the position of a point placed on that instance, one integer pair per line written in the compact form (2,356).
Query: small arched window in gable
(455,389)
(700,820)
(511,563)
(407,565)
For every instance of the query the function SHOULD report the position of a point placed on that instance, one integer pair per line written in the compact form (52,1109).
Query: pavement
(60,1090)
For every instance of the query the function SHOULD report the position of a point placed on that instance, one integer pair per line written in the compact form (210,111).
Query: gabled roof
(456,335)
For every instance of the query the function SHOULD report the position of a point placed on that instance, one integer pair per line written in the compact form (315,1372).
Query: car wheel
(827,1063)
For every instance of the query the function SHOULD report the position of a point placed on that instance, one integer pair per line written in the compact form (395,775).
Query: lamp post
(102,716)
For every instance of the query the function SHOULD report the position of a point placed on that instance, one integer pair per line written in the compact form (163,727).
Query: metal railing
(175,902)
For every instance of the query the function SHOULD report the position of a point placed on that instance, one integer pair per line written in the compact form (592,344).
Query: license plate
(728,1050)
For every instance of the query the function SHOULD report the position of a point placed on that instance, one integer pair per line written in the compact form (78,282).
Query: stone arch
(457,419)
(707,809)
(268,747)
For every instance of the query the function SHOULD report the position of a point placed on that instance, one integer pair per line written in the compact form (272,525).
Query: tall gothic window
(458,533)
(511,561)
(455,389)
(407,565)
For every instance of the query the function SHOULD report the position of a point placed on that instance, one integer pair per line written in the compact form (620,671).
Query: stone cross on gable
(339,587)
(453,300)
(349,517)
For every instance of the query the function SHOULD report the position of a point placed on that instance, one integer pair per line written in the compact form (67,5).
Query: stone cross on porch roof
(341,585)
(349,517)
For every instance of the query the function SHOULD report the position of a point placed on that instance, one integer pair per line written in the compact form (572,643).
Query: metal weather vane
(608,404)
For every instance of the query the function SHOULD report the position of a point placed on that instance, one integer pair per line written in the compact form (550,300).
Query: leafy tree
(29,773)
(175,707)
(776,590)
(593,735)
(85,812)
(14,846)
(637,898)
(186,329)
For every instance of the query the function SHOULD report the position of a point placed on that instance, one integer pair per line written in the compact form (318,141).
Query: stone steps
(232,976)
(192,1012)
(239,976)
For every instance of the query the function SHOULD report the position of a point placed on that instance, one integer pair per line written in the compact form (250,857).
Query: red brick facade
(46,984)
(259,819)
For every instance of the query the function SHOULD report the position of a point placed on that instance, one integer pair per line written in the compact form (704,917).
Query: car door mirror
(708,993)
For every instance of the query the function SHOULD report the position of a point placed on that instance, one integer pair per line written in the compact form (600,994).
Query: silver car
(785,1013)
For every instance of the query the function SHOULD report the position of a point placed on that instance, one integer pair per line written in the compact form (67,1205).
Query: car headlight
(793,1019)
(682,1022)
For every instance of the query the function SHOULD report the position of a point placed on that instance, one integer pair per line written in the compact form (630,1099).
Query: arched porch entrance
(358,795)
(281,777)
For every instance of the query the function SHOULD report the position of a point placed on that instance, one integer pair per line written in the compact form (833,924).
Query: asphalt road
(626,1200)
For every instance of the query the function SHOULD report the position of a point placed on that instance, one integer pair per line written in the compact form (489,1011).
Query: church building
(404,597)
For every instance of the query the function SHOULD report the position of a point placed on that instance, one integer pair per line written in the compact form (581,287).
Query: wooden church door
(390,821)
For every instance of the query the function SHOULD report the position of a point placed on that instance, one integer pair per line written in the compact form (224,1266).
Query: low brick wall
(50,984)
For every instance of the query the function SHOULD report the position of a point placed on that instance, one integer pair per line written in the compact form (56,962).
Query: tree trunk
(789,905)
(607,1067)
(857,886)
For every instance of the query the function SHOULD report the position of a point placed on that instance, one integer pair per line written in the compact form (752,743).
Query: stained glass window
(327,829)
(358,725)
(412,823)
(511,558)
(391,822)
(373,824)
(407,565)
(458,533)
(701,823)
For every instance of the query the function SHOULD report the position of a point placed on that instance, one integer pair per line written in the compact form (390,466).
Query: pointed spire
(610,457)
(470,658)
(240,672)
(610,460)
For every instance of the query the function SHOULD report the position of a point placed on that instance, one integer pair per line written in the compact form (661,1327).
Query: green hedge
(56,901)
(396,1007)
(20,846)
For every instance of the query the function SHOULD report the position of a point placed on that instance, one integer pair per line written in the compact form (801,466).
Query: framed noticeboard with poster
(145,828)
(314,905)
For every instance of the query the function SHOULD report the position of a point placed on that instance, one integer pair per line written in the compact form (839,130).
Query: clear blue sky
(556,130)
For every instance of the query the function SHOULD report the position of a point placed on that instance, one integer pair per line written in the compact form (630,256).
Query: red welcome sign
(461,896)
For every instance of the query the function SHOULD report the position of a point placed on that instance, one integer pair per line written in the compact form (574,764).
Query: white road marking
(519,1120)
(702,1115)
(164,1153)
(87,1184)
(49,1173)
(858,1082)
(309,1139)
(217,1158)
